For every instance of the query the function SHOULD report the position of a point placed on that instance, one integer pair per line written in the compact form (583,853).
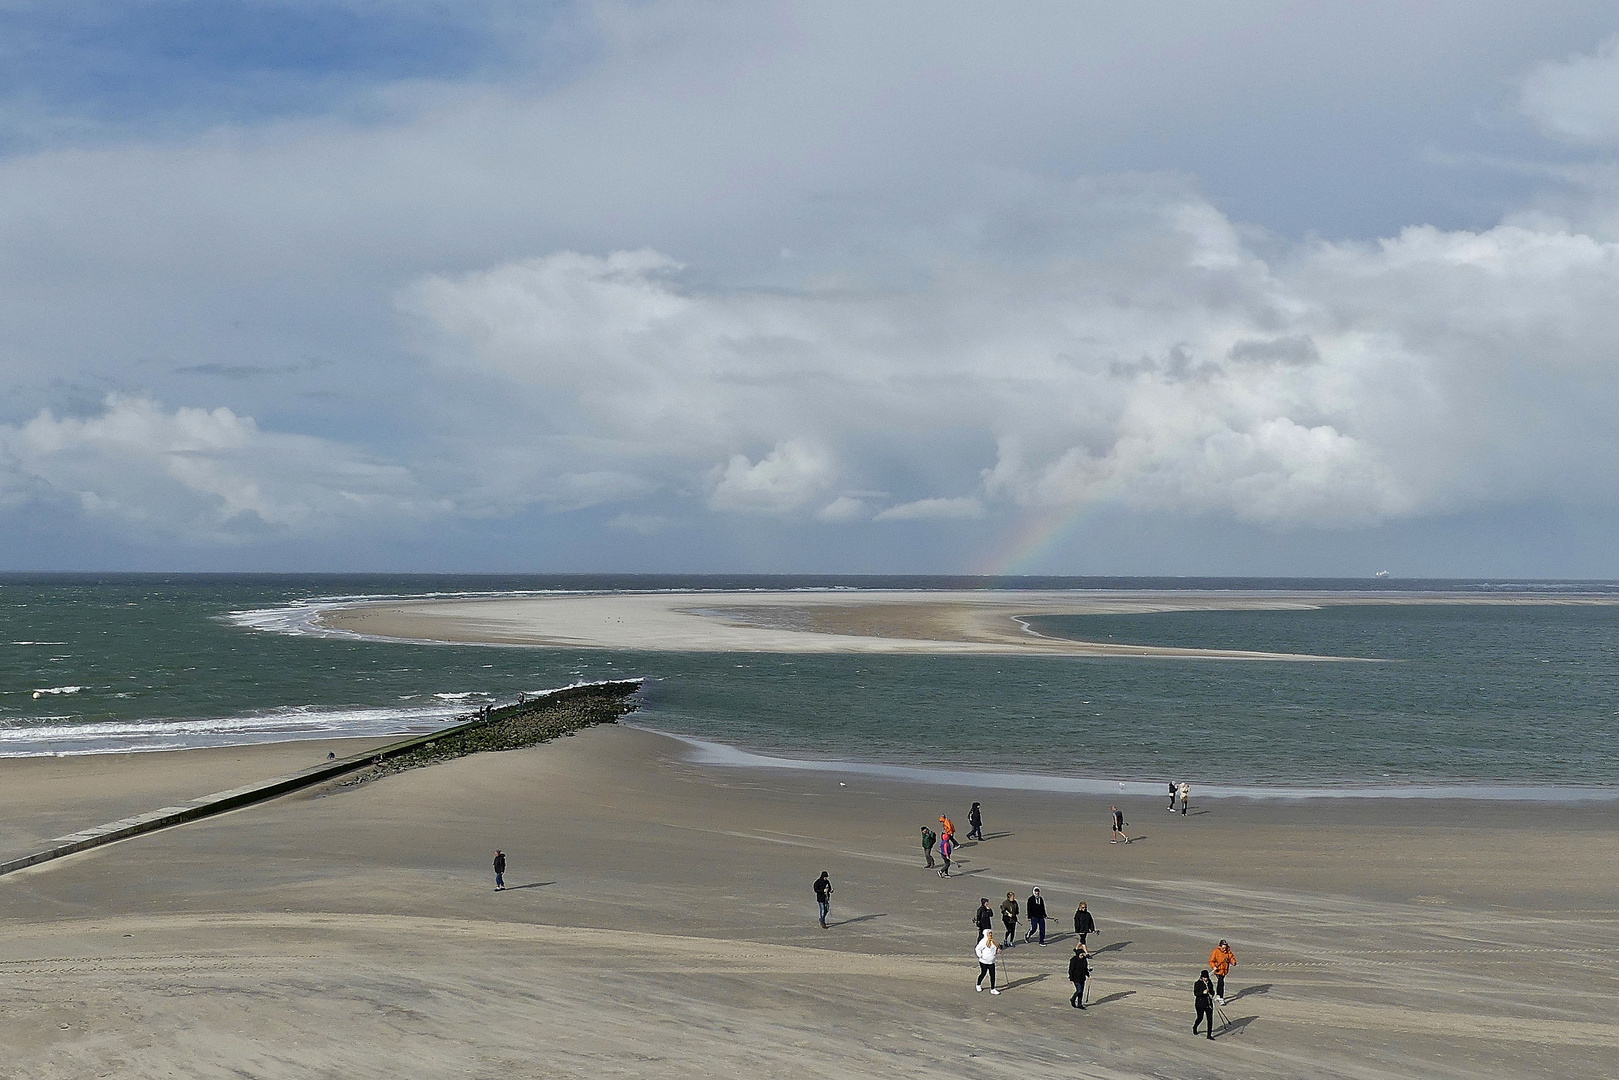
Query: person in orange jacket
(1220,961)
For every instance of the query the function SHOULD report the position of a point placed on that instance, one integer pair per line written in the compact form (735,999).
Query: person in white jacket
(987,952)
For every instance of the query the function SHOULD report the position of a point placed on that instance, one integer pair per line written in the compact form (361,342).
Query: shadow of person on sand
(1261,988)
(858,918)
(1235,1027)
(1026,980)
(997,835)
(1120,996)
(1117,946)
(530,885)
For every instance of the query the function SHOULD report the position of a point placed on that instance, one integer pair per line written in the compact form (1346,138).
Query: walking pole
(1225,1021)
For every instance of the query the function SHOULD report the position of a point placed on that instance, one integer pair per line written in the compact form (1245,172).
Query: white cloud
(933,510)
(792,474)
(199,474)
(1576,99)
(1340,384)
(844,508)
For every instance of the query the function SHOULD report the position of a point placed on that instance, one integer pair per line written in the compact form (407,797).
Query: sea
(1482,701)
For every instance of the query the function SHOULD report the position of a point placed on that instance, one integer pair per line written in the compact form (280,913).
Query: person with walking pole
(1083,922)
(1220,962)
(1202,998)
(947,844)
(1079,969)
(1035,909)
(1009,914)
(983,918)
(988,952)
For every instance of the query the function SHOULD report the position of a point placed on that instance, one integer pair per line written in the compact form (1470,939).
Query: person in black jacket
(975,823)
(1035,909)
(1083,923)
(500,869)
(983,918)
(1203,999)
(823,896)
(1079,969)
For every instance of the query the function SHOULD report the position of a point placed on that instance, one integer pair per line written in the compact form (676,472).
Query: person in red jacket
(1220,961)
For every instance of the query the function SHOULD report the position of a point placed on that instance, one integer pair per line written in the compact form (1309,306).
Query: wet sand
(661,924)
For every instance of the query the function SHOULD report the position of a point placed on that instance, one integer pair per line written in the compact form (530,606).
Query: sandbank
(840,621)
(660,923)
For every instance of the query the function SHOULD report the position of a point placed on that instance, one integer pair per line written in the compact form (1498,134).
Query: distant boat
(1381,573)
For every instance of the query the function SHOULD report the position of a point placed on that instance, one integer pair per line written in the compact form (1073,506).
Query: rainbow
(1034,539)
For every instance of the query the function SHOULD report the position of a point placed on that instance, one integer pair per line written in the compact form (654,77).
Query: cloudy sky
(1091,288)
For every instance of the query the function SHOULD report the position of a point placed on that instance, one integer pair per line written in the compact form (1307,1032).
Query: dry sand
(941,623)
(661,924)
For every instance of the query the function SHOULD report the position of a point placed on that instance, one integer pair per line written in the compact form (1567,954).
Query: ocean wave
(707,752)
(33,739)
(57,690)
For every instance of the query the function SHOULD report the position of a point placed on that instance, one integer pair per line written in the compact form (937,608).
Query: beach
(946,623)
(660,923)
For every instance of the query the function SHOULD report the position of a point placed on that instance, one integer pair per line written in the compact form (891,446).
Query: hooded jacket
(983,918)
(1036,907)
(1079,967)
(1221,959)
(986,950)
(1083,923)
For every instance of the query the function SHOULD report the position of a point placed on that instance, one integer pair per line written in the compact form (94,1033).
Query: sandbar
(660,923)
(839,621)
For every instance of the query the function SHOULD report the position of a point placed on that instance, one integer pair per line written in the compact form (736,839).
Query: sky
(1256,288)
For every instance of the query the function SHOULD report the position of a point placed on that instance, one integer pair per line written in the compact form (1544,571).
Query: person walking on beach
(948,828)
(1220,961)
(1202,999)
(983,919)
(1083,922)
(823,896)
(929,838)
(1118,827)
(975,823)
(1079,969)
(500,869)
(987,952)
(1009,914)
(1172,796)
(947,844)
(1186,793)
(1036,910)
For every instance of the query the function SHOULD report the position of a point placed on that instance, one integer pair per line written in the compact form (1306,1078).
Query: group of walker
(1208,993)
